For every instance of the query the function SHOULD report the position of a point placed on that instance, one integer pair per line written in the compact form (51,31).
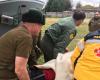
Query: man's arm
(21,68)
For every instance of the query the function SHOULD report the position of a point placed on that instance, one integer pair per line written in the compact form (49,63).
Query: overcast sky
(86,2)
(83,2)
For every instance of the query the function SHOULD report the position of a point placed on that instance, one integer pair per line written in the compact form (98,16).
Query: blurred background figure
(94,23)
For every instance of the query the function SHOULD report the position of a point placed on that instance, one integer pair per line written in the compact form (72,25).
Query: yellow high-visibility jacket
(88,64)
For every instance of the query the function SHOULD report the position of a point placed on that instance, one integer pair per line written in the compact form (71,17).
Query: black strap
(75,62)
(74,79)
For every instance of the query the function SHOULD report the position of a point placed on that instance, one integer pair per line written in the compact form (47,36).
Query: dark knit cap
(34,16)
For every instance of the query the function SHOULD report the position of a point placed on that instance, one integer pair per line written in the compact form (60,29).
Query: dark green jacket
(62,33)
(94,24)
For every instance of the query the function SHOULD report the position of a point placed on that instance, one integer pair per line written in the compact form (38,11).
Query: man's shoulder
(18,34)
(95,21)
(67,21)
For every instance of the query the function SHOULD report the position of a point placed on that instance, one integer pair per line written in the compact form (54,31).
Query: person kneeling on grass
(59,35)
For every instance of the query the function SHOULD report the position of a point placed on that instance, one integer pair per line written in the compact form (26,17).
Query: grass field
(82,31)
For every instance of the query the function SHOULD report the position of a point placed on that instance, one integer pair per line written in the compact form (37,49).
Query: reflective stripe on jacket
(88,64)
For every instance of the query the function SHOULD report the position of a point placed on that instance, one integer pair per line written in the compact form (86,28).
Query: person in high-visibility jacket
(86,58)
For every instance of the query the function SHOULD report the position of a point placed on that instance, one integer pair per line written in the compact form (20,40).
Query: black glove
(36,74)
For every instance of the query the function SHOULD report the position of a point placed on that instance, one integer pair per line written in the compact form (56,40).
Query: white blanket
(61,65)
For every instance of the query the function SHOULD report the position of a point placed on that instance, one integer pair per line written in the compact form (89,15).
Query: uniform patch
(71,36)
(97,51)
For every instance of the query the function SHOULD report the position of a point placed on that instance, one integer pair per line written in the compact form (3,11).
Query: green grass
(82,31)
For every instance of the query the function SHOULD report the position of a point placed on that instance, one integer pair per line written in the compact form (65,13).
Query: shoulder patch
(72,35)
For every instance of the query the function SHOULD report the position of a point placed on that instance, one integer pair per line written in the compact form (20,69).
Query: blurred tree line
(58,5)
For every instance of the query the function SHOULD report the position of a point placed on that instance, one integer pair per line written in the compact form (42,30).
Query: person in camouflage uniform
(94,23)
(60,34)
(16,46)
